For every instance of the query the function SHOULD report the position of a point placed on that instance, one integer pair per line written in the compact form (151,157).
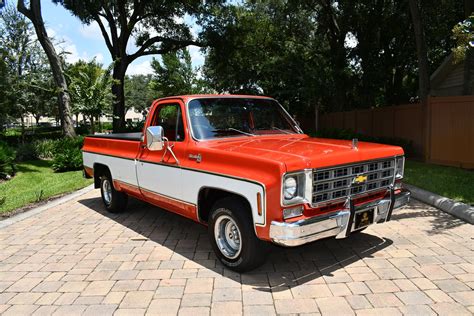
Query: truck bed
(122,136)
(120,145)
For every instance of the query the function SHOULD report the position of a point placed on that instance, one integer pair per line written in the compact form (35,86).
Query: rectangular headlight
(293,188)
(296,187)
(399,167)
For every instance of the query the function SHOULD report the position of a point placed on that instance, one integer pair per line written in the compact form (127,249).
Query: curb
(457,209)
(39,209)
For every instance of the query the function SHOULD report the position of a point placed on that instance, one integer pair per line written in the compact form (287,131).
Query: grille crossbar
(337,183)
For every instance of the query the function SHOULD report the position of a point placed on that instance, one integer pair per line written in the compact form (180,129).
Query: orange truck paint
(263,160)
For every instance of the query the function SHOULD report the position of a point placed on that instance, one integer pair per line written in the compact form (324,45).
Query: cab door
(159,173)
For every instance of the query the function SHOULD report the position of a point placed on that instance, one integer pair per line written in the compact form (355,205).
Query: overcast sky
(86,42)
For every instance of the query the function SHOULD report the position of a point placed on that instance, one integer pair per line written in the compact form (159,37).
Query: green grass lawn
(36,181)
(454,183)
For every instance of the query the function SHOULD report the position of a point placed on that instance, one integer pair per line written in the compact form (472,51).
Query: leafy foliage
(175,75)
(90,89)
(26,151)
(324,54)
(25,77)
(463,33)
(138,93)
(45,148)
(67,154)
(155,27)
(267,47)
(7,160)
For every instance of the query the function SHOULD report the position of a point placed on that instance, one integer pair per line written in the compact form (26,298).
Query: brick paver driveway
(77,259)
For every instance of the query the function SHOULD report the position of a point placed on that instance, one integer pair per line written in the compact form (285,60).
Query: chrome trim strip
(348,187)
(334,224)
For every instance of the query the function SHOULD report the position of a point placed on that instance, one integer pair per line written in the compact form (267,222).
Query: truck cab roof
(188,97)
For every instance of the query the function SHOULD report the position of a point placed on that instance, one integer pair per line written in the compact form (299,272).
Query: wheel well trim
(96,175)
(204,187)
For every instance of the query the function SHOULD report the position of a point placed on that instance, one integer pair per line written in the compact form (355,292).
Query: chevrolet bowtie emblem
(359,179)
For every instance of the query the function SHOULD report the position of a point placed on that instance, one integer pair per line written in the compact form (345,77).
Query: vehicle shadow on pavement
(320,262)
(440,222)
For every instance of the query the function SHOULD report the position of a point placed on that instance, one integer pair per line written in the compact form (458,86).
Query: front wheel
(233,237)
(114,200)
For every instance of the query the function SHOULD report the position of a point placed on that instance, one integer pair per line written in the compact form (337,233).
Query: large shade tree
(28,85)
(32,11)
(138,93)
(175,75)
(272,48)
(132,29)
(338,55)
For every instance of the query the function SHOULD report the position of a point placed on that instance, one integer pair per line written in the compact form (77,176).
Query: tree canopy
(311,55)
(154,27)
(322,53)
(90,89)
(175,75)
(26,75)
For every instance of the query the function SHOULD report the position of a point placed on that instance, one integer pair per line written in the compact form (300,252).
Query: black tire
(116,201)
(252,251)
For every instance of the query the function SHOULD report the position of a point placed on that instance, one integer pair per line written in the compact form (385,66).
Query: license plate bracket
(363,218)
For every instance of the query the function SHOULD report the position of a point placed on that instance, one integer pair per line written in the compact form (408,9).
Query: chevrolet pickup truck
(242,166)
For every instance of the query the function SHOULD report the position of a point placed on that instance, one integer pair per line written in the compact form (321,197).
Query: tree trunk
(338,55)
(22,120)
(316,116)
(468,7)
(423,72)
(92,125)
(118,94)
(64,99)
(423,68)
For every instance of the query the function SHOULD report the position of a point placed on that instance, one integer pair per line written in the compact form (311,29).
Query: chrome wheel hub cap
(107,191)
(227,235)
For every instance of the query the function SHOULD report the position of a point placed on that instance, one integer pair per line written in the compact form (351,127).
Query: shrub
(26,151)
(67,154)
(83,129)
(7,160)
(45,148)
(106,126)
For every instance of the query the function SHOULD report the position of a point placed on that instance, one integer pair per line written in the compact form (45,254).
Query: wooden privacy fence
(450,133)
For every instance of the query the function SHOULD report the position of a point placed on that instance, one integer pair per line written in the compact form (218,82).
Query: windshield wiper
(279,129)
(234,130)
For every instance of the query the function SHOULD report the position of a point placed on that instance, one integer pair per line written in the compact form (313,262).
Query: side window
(170,118)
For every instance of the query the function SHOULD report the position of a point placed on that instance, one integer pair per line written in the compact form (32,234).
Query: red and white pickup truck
(243,167)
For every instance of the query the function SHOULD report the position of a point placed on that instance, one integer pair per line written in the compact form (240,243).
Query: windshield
(228,117)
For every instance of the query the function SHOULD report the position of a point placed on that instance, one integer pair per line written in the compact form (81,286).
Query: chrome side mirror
(154,138)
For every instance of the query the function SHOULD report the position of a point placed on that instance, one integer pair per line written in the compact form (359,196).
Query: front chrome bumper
(339,224)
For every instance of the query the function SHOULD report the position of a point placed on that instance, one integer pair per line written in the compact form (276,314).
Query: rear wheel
(232,235)
(114,200)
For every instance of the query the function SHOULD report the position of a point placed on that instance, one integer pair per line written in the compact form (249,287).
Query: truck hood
(301,151)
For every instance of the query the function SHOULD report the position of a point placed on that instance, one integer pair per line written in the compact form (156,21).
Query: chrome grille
(337,183)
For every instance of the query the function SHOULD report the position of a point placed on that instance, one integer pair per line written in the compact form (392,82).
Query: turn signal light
(259,204)
(292,212)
